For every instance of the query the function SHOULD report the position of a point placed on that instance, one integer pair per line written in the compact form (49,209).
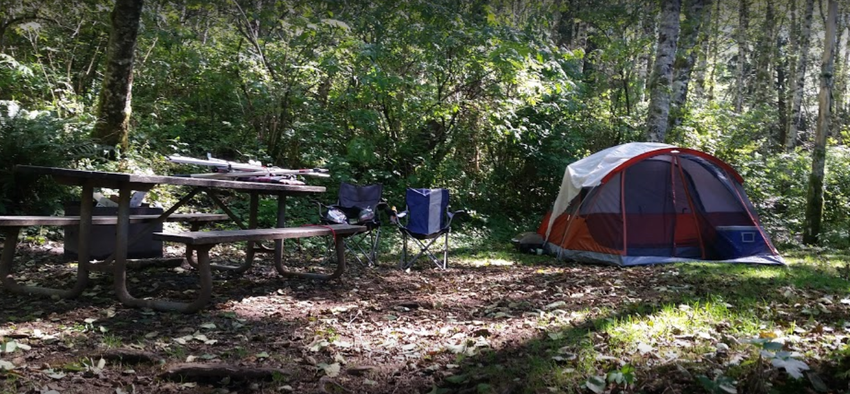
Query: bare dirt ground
(378,330)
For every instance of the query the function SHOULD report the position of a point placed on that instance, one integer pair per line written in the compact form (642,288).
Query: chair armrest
(452,214)
(395,216)
(455,213)
(320,204)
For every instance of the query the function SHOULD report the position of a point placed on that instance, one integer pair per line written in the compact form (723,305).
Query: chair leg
(446,252)
(403,263)
(375,243)
(424,249)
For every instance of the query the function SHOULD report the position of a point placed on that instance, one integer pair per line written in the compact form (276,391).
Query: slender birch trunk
(814,204)
(662,74)
(743,24)
(715,33)
(113,109)
(800,78)
(841,59)
(781,92)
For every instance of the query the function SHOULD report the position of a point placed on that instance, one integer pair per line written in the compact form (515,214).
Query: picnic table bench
(12,225)
(203,241)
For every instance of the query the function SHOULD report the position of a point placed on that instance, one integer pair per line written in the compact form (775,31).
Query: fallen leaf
(332,370)
(596,384)
(644,348)
(793,366)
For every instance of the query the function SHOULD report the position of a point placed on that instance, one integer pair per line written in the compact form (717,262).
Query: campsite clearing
(495,322)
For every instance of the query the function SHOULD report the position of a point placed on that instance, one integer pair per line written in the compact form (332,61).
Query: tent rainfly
(650,203)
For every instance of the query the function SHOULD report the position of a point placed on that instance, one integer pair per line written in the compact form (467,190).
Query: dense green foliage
(489,99)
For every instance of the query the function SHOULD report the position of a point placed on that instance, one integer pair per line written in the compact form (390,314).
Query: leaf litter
(383,330)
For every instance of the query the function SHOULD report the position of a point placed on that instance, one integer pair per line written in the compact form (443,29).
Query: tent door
(687,237)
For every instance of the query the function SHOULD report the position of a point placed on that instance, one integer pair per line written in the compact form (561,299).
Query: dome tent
(649,203)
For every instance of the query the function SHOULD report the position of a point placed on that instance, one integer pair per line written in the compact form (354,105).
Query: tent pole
(623,211)
(674,159)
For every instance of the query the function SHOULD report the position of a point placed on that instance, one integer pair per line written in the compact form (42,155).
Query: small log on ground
(199,371)
(127,356)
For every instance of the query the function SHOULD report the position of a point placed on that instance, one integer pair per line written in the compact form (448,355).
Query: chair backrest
(356,196)
(426,210)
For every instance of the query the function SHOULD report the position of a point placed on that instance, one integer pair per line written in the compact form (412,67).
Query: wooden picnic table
(127,183)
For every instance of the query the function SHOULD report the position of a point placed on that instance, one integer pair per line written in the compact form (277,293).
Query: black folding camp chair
(427,218)
(358,205)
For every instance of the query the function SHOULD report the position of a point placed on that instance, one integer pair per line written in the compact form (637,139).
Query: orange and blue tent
(650,203)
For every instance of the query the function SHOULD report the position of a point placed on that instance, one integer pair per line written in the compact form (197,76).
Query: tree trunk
(566,24)
(743,23)
(814,200)
(791,59)
(697,14)
(800,78)
(781,92)
(841,106)
(715,43)
(841,60)
(662,74)
(764,57)
(647,24)
(113,110)
(706,43)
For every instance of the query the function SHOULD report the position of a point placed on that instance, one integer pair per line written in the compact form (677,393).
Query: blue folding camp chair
(358,205)
(428,217)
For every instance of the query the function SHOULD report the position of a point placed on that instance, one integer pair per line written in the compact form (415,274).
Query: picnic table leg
(7,262)
(233,217)
(122,232)
(85,229)
(253,208)
(281,223)
(204,293)
(190,250)
(339,246)
(7,259)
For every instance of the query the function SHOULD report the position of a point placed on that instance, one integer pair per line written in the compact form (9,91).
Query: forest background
(490,99)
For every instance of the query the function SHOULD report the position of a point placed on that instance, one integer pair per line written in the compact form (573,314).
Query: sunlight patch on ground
(692,325)
(487,262)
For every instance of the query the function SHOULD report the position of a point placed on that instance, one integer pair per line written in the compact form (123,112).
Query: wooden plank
(228,236)
(24,221)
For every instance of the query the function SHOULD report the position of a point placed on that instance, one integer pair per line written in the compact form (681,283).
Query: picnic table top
(116,180)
